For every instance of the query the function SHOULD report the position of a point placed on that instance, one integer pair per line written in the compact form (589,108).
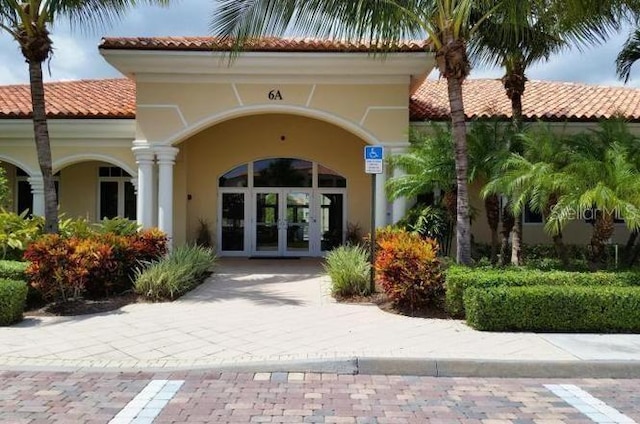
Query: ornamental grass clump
(178,272)
(349,270)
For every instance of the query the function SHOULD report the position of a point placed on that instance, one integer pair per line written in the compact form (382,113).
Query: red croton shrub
(92,266)
(408,268)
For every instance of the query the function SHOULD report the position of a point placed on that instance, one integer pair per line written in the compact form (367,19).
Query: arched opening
(271,185)
(107,191)
(20,198)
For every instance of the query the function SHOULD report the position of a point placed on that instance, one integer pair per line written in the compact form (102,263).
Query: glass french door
(282,219)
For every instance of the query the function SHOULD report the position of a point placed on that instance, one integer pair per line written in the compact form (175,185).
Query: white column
(144,158)
(37,190)
(134,183)
(399,204)
(166,159)
(381,199)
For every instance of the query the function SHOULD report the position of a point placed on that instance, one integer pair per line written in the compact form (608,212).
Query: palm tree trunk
(558,243)
(629,248)
(516,241)
(602,231)
(507,226)
(492,208)
(463,225)
(43,147)
(514,84)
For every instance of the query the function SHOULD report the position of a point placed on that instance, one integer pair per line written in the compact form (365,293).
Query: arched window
(282,172)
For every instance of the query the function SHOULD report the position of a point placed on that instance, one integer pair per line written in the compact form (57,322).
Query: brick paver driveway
(209,397)
(255,310)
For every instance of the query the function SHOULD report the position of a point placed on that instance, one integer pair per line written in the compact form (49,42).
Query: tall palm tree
(532,32)
(448,24)
(28,23)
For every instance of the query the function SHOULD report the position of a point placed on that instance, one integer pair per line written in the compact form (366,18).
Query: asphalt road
(212,397)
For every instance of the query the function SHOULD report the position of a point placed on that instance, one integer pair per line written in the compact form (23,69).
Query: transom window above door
(282,172)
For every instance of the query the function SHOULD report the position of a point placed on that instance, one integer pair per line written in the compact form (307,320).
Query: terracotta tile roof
(107,98)
(291,45)
(545,100)
(551,101)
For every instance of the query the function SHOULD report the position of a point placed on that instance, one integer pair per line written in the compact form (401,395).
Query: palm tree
(628,56)
(609,186)
(28,23)
(383,23)
(532,178)
(488,149)
(430,165)
(532,32)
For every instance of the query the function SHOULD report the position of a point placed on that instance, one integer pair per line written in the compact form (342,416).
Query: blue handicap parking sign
(374,152)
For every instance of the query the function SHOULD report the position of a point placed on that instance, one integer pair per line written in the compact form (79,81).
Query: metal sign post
(373,164)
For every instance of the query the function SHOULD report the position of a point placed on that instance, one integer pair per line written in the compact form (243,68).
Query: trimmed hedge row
(13,296)
(459,279)
(13,270)
(554,309)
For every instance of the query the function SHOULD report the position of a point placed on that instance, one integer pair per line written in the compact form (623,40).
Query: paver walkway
(265,310)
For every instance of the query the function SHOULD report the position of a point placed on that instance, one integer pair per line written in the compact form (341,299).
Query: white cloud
(77,55)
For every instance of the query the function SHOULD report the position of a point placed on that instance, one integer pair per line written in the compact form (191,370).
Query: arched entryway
(281,206)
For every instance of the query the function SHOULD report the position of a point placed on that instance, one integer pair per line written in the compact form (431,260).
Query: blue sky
(76,53)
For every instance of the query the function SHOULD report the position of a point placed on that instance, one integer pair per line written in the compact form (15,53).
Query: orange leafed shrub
(408,269)
(92,266)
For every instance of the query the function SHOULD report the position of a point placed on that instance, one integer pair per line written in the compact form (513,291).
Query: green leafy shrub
(17,232)
(554,309)
(75,227)
(349,270)
(13,296)
(459,279)
(119,226)
(408,269)
(178,272)
(13,270)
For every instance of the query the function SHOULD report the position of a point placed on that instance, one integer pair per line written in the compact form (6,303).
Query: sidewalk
(277,315)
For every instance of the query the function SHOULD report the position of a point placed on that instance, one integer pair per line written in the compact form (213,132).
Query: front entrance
(281,221)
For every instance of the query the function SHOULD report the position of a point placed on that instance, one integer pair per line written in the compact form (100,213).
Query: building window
(532,217)
(24,197)
(117,194)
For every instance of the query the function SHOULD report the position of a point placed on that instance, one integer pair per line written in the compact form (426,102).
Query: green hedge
(459,279)
(13,295)
(554,309)
(13,270)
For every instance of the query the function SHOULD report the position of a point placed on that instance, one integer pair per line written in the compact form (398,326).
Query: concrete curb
(390,366)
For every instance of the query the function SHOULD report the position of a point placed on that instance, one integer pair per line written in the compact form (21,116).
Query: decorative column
(381,199)
(166,159)
(144,158)
(134,183)
(399,204)
(37,190)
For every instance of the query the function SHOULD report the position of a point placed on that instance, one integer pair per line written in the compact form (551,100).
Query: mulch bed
(85,306)
(436,311)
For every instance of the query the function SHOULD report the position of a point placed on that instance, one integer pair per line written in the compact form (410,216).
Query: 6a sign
(275,95)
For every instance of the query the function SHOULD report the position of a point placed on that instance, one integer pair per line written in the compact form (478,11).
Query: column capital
(37,184)
(143,152)
(166,155)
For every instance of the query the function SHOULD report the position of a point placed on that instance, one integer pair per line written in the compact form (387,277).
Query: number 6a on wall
(275,95)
